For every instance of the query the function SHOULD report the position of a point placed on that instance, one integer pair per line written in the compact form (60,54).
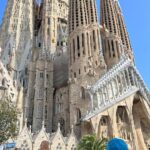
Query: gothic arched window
(62,125)
(3,82)
(94,37)
(78,115)
(104,121)
(78,45)
(122,115)
(82,93)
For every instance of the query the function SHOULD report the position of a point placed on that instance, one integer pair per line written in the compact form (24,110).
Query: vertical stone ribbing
(108,17)
(91,10)
(40,95)
(111,41)
(86,60)
(84,38)
(49,24)
(123,30)
(6,25)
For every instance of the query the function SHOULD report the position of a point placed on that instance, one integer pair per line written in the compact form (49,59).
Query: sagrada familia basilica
(70,75)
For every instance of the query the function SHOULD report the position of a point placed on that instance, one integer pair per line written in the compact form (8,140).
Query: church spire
(123,30)
(115,38)
(49,24)
(108,17)
(84,37)
(111,41)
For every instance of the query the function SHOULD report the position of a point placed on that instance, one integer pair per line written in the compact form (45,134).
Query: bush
(8,121)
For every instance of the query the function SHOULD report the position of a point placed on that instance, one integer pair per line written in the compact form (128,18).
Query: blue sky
(137,16)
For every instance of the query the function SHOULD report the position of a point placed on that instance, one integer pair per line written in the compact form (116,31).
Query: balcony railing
(119,83)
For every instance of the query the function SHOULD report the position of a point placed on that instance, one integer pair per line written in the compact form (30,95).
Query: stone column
(111,83)
(103,98)
(125,80)
(135,140)
(91,95)
(106,92)
(133,78)
(100,94)
(98,98)
(136,80)
(117,86)
(128,78)
(121,85)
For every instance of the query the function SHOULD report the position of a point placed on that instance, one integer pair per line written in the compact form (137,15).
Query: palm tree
(90,142)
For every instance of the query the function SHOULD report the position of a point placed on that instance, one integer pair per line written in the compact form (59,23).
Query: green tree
(8,121)
(90,142)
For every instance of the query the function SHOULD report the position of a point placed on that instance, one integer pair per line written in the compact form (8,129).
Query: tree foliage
(90,142)
(8,121)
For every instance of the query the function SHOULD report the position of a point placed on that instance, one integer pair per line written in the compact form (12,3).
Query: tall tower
(5,24)
(123,30)
(86,62)
(39,100)
(84,38)
(110,33)
(49,24)
(115,38)
(17,36)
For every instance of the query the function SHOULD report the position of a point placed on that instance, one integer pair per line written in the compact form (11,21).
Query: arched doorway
(141,123)
(124,124)
(44,145)
(105,128)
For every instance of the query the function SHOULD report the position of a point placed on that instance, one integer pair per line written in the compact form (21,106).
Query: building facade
(72,75)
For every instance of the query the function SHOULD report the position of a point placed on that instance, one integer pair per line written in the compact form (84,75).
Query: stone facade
(118,101)
(115,38)
(65,71)
(16,35)
(45,141)
(7,85)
